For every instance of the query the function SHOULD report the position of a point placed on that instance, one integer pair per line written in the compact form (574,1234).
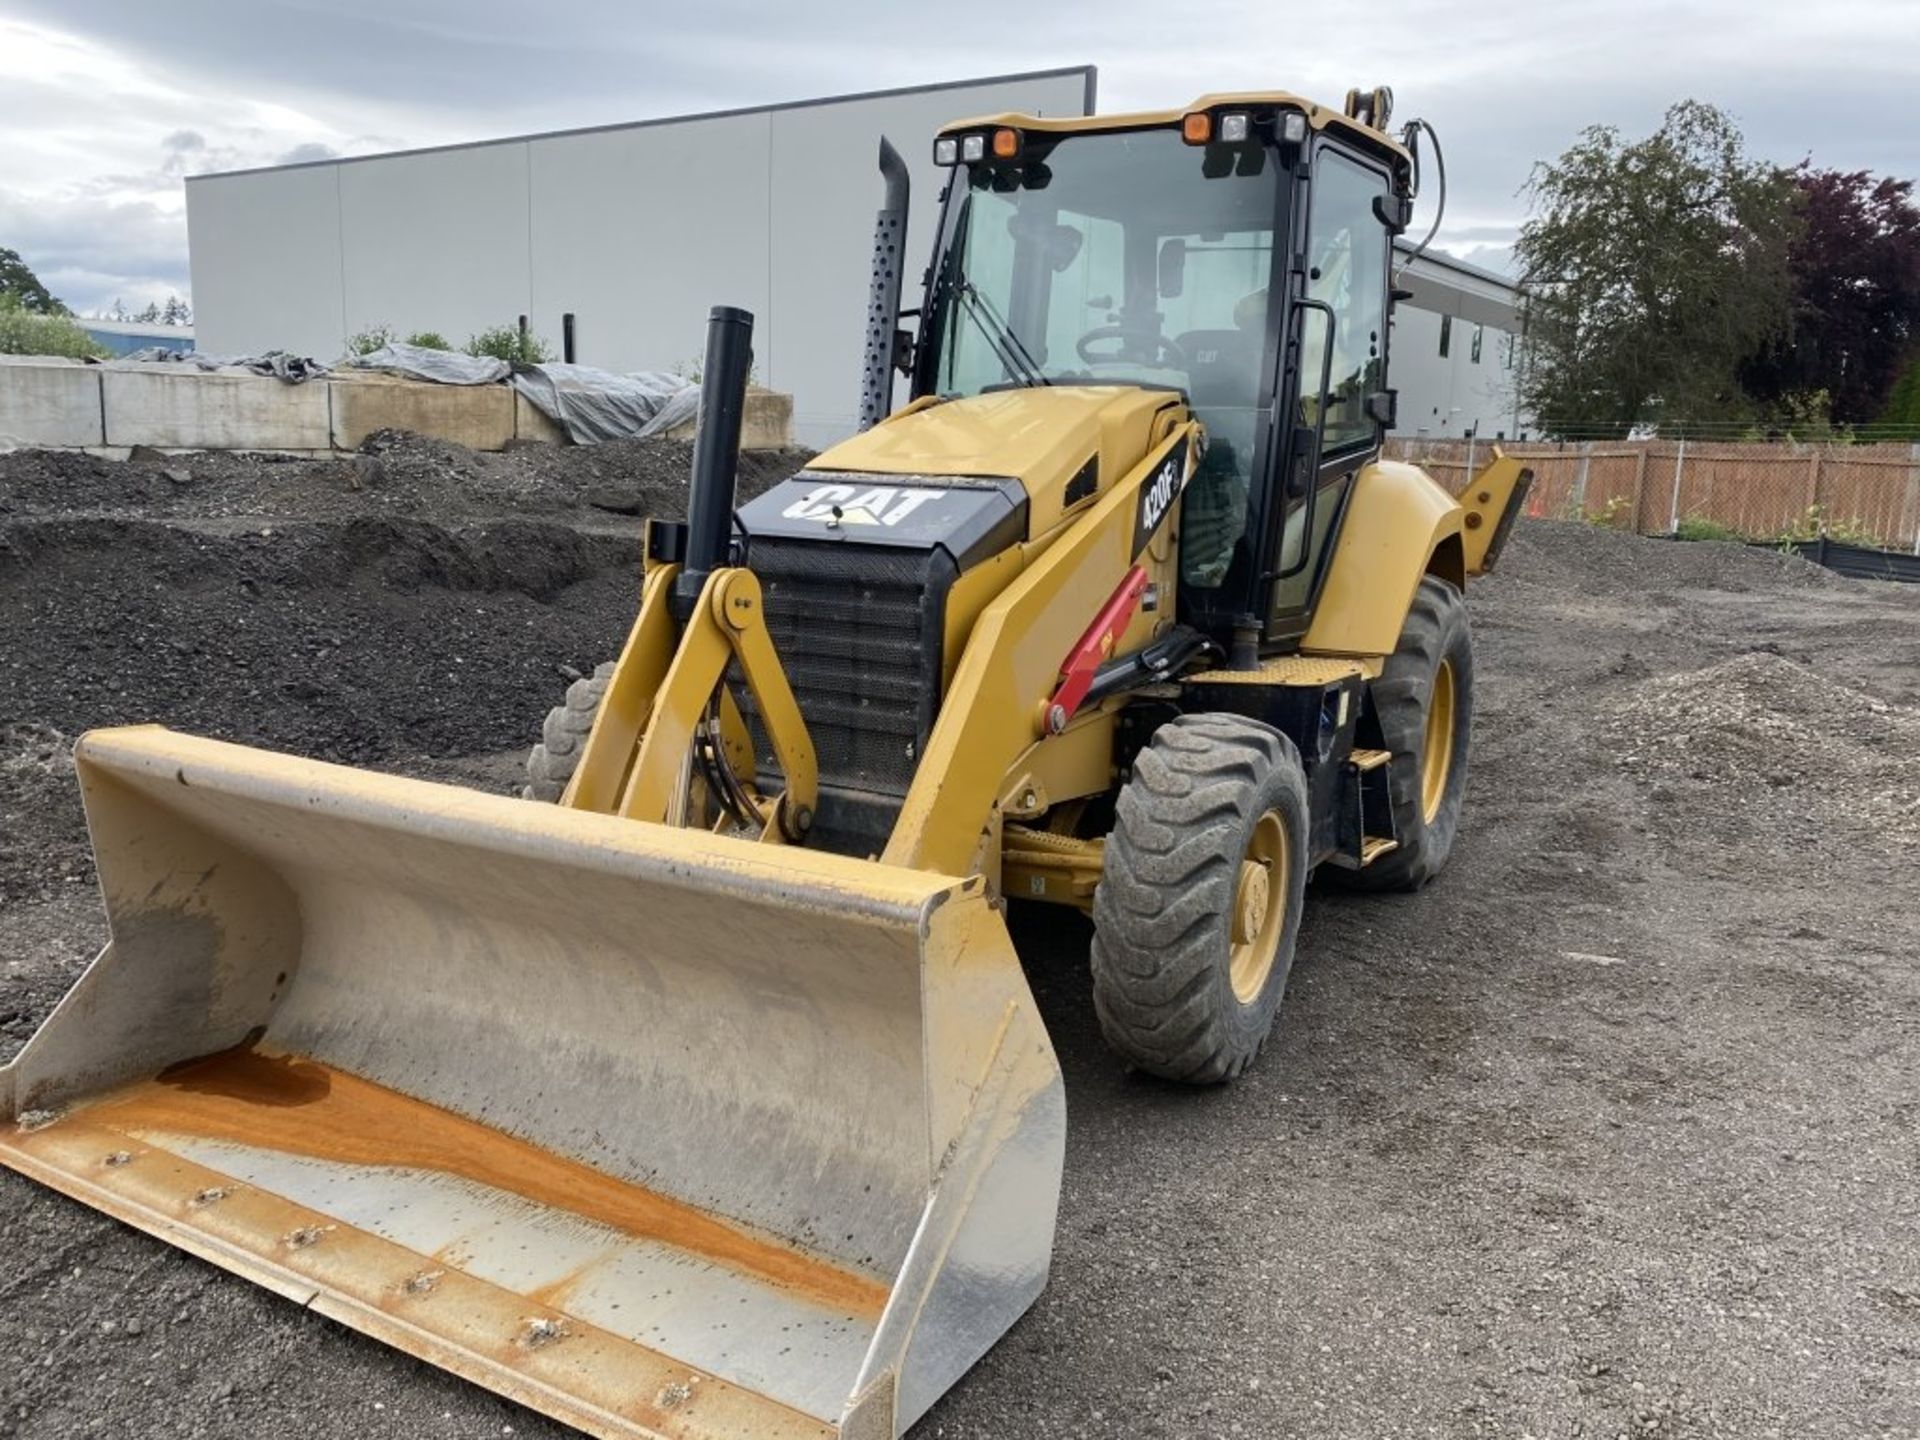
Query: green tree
(31,332)
(1903,405)
(1654,269)
(18,280)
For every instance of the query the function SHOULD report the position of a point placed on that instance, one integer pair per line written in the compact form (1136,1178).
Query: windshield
(1128,258)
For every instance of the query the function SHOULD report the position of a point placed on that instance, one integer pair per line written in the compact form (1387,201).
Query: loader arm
(995,709)
(635,761)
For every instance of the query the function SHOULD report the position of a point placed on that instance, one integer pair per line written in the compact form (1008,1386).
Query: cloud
(114,101)
(308,154)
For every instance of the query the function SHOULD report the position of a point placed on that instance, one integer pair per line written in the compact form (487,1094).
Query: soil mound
(1761,740)
(1595,560)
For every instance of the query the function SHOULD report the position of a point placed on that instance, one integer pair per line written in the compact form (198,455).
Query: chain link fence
(1750,490)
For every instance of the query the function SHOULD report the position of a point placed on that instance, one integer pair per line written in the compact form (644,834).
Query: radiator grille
(858,631)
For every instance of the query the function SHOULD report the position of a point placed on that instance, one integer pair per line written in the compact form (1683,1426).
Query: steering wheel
(1165,354)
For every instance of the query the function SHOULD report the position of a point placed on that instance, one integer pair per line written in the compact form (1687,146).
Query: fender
(1400,525)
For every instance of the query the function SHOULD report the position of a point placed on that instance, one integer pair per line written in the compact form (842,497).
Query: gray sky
(106,104)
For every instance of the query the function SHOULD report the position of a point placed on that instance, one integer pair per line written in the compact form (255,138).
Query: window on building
(1446,334)
(1479,335)
(1507,346)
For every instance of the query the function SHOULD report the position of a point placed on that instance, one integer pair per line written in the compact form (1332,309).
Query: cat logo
(850,505)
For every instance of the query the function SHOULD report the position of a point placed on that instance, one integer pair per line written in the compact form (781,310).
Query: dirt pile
(43,840)
(1594,560)
(396,473)
(411,604)
(1773,743)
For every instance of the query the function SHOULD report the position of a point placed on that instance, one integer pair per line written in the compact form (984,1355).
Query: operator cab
(1237,252)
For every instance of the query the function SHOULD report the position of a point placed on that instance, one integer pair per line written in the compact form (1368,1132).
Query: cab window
(1347,271)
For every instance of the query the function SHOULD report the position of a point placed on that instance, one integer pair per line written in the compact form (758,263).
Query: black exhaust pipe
(716,452)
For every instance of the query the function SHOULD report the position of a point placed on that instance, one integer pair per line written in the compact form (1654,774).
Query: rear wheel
(1198,908)
(551,763)
(1424,701)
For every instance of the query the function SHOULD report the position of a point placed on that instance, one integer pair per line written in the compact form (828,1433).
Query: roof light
(1006,144)
(1197,128)
(973,148)
(946,151)
(1293,128)
(1234,128)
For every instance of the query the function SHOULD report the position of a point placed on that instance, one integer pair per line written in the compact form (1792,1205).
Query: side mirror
(1393,211)
(1173,267)
(1383,408)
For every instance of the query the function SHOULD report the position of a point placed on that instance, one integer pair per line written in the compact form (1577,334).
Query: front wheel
(1198,907)
(551,762)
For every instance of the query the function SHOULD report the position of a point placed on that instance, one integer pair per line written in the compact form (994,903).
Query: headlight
(946,151)
(973,148)
(1233,128)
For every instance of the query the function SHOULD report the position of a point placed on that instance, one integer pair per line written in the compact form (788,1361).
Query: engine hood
(1022,434)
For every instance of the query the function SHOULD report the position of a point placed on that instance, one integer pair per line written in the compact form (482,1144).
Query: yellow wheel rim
(1436,755)
(1259,907)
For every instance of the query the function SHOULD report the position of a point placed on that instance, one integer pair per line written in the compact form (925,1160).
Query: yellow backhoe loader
(711,1100)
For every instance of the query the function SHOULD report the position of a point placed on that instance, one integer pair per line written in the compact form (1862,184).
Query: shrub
(1815,522)
(374,337)
(509,343)
(1610,514)
(429,340)
(23,332)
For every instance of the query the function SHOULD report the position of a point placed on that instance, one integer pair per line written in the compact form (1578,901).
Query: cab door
(1338,343)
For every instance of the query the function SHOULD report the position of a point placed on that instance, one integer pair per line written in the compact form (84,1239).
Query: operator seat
(1223,389)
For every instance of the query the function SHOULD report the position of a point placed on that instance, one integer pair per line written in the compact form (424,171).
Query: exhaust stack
(716,450)
(883,296)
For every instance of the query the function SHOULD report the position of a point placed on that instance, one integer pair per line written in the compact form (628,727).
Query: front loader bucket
(660,1133)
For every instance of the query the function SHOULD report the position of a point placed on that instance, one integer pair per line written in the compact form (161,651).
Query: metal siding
(637,230)
(436,242)
(640,232)
(266,262)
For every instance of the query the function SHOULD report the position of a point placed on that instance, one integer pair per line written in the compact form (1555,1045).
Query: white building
(636,230)
(1455,350)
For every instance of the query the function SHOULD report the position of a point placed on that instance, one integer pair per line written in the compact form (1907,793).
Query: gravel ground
(1613,1130)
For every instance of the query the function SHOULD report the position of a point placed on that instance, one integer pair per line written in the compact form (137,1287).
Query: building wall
(1455,394)
(637,230)
(1452,394)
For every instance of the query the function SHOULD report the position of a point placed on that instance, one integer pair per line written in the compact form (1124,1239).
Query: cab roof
(1320,117)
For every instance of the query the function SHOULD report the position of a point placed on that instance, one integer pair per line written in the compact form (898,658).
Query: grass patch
(1699,527)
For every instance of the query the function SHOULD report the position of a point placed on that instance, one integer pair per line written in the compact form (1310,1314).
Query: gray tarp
(443,367)
(590,405)
(294,369)
(594,405)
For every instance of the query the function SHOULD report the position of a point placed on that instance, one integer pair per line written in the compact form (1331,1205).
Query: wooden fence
(1865,494)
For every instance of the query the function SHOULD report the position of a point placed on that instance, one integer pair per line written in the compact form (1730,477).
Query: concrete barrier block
(197,411)
(51,404)
(529,423)
(766,424)
(479,417)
